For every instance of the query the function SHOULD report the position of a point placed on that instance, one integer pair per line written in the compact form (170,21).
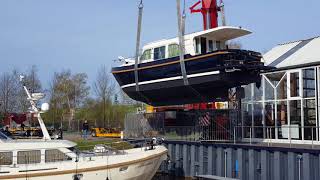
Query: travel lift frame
(209,11)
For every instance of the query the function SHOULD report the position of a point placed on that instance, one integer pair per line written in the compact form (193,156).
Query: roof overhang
(223,33)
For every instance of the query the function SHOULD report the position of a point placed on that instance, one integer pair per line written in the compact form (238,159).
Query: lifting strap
(136,64)
(181,43)
(136,77)
(181,26)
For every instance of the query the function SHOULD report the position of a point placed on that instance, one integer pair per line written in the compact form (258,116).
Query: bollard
(250,135)
(268,136)
(234,135)
(299,166)
(225,162)
(289,128)
(311,137)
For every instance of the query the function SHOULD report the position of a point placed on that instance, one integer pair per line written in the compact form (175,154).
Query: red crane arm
(209,12)
(193,10)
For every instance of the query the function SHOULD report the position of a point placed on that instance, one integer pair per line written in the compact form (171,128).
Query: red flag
(204,120)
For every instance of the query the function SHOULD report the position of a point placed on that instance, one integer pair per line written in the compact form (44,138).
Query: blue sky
(82,35)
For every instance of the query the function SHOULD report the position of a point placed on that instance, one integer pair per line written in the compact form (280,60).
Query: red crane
(209,12)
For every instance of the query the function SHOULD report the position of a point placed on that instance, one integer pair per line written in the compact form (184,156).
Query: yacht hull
(134,165)
(209,77)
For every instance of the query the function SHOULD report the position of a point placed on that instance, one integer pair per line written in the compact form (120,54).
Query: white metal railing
(292,134)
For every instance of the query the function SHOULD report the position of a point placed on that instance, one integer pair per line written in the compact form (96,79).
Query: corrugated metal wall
(241,161)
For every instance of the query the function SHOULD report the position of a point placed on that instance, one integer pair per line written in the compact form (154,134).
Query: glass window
(54,155)
(210,45)
(269,114)
(257,115)
(269,91)
(295,112)
(29,157)
(247,119)
(173,50)
(247,93)
(275,78)
(159,53)
(270,119)
(203,45)
(309,108)
(282,119)
(218,45)
(282,112)
(295,119)
(198,44)
(282,88)
(257,92)
(6,158)
(294,84)
(146,55)
(308,82)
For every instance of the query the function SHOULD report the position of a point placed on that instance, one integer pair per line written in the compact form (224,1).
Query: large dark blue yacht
(211,69)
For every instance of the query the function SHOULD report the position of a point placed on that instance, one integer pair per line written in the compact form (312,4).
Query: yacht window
(54,155)
(29,157)
(197,41)
(210,45)
(5,158)
(146,54)
(173,50)
(218,45)
(203,45)
(159,53)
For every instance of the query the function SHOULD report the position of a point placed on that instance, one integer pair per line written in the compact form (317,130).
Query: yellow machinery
(103,132)
(149,109)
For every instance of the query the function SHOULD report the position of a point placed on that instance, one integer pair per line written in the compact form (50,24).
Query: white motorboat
(47,159)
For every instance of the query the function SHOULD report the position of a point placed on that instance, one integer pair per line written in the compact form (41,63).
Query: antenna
(32,99)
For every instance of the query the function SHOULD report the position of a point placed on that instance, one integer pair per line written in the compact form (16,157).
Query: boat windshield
(3,136)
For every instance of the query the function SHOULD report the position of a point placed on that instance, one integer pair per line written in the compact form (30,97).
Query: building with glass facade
(284,106)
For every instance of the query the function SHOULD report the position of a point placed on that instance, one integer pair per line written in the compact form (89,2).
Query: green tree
(104,89)
(68,92)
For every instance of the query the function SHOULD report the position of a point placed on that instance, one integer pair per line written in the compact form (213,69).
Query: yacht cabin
(34,151)
(201,42)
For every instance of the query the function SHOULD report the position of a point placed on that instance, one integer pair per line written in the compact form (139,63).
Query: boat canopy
(223,33)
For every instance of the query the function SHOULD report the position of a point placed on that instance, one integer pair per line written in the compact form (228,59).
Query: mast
(32,99)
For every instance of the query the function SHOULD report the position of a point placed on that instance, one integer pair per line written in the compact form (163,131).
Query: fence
(213,125)
(179,125)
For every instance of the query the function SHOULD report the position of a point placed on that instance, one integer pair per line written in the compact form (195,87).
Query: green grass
(85,145)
